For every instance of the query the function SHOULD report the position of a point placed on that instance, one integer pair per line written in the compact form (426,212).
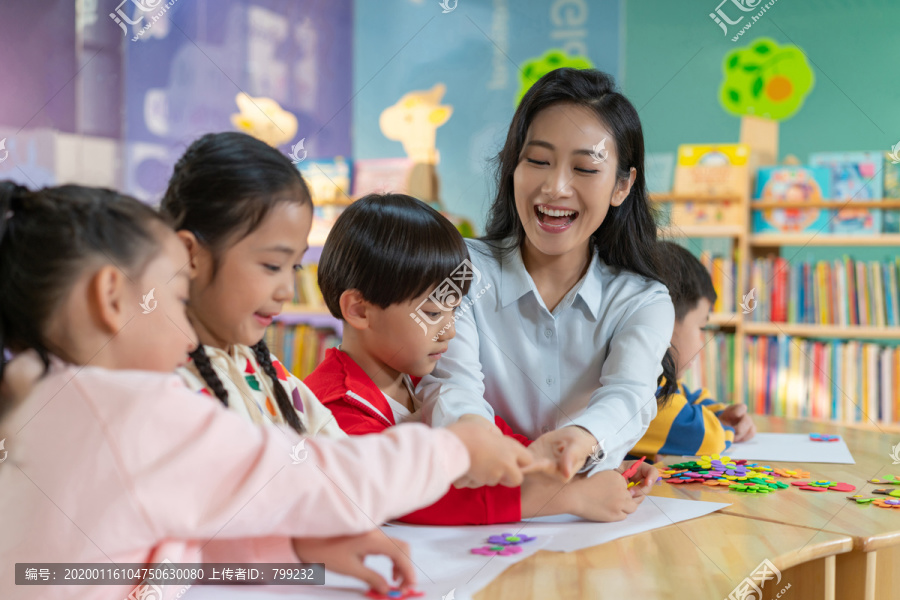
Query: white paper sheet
(444,562)
(653,513)
(791,447)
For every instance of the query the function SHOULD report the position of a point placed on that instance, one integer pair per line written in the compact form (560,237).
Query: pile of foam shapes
(737,475)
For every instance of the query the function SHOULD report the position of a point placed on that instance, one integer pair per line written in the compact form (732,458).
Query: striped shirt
(687,425)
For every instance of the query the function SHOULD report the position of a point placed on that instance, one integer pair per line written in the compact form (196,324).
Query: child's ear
(623,188)
(195,249)
(355,309)
(113,304)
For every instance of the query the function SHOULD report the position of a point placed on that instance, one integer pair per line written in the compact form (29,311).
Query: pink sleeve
(198,470)
(255,550)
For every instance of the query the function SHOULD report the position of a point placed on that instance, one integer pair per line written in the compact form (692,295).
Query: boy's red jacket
(340,384)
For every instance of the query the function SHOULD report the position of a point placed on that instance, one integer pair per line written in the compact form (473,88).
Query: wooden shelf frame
(833,204)
(772,240)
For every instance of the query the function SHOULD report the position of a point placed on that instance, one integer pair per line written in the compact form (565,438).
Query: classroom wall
(405,45)
(673,53)
(95,103)
(673,65)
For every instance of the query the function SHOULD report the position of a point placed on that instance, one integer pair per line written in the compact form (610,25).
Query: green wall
(673,65)
(673,69)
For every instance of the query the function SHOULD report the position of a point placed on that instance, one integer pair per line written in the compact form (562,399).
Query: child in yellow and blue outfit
(691,423)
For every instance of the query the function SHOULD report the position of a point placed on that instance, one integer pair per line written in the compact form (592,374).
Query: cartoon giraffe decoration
(413,121)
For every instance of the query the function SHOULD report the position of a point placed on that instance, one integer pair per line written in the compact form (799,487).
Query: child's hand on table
(495,459)
(567,448)
(603,496)
(643,479)
(345,555)
(736,416)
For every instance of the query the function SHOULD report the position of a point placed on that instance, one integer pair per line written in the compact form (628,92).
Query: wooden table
(815,539)
(704,558)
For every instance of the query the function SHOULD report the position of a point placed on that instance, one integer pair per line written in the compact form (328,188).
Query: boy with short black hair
(691,423)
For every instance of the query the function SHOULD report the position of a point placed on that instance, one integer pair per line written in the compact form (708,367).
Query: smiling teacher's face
(565,181)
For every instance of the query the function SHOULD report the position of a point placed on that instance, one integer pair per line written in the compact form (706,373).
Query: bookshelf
(737,235)
(310,314)
(748,246)
(774,240)
(808,330)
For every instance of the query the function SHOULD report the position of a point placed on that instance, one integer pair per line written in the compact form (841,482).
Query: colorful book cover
(891,192)
(877,294)
(893,310)
(884,362)
(853,316)
(855,176)
(862,300)
(792,184)
(328,179)
(837,368)
(711,170)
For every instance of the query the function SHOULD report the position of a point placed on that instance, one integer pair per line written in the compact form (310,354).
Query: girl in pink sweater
(111,459)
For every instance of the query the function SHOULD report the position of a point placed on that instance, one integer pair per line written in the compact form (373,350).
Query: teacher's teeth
(555,213)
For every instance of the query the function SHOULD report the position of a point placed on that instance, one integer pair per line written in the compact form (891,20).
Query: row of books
(724,275)
(300,347)
(839,292)
(714,367)
(849,381)
(841,177)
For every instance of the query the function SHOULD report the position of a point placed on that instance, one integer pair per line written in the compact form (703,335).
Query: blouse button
(548,333)
(549,381)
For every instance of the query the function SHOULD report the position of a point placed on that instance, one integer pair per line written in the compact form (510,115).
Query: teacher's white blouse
(593,362)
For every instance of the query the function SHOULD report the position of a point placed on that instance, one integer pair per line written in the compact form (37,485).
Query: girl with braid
(112,459)
(244,213)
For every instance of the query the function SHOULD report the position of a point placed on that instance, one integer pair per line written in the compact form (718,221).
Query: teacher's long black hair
(627,237)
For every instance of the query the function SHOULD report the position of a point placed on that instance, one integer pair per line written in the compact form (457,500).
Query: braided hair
(221,190)
(264,358)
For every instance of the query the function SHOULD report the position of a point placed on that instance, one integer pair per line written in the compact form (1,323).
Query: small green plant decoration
(536,68)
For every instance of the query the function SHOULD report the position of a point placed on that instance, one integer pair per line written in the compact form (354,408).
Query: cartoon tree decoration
(554,59)
(765,80)
(764,84)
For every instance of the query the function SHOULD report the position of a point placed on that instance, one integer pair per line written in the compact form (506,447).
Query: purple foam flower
(510,539)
